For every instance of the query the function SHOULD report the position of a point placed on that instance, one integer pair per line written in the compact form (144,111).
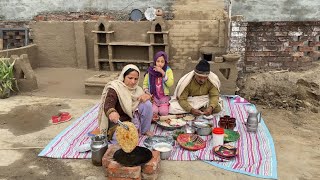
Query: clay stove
(114,170)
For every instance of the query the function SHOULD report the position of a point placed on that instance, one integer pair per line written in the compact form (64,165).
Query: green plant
(7,80)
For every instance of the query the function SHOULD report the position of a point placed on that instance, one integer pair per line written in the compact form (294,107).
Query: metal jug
(99,146)
(253,121)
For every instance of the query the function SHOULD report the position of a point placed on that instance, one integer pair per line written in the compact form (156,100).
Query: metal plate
(169,128)
(150,141)
(136,15)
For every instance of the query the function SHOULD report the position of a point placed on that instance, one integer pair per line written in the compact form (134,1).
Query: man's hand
(208,111)
(144,97)
(196,112)
(114,116)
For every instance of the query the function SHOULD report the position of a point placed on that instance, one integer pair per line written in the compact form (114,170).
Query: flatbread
(127,139)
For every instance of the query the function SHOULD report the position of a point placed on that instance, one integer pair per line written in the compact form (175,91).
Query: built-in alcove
(103,52)
(159,48)
(102,37)
(117,46)
(158,28)
(123,53)
(207,57)
(225,72)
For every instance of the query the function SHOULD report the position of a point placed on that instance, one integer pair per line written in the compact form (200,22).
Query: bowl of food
(165,149)
(203,129)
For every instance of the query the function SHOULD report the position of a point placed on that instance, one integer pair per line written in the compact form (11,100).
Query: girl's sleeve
(146,82)
(168,79)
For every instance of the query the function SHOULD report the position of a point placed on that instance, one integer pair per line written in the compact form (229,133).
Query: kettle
(253,121)
(99,146)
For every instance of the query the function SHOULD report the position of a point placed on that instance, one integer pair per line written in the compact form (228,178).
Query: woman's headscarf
(128,97)
(153,75)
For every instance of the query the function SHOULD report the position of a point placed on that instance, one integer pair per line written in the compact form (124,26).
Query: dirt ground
(25,128)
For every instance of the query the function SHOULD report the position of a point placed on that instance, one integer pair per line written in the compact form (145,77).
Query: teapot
(253,121)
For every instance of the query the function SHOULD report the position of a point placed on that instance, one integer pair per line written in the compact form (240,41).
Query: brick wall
(14,34)
(281,45)
(186,37)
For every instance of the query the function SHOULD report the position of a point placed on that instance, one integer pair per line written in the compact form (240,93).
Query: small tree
(7,80)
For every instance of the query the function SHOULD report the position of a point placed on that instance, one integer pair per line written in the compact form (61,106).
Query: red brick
(305,48)
(296,43)
(153,165)
(108,156)
(121,178)
(115,169)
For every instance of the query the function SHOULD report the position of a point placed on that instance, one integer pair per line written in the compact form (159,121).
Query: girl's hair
(129,71)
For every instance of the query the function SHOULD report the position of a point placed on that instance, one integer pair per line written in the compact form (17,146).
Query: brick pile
(115,171)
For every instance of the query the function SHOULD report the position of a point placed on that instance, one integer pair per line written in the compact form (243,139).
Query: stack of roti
(127,139)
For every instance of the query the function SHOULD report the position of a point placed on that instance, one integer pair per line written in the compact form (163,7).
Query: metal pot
(165,150)
(203,130)
(99,146)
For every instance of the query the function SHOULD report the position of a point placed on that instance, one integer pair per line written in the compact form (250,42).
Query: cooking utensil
(149,142)
(122,125)
(139,156)
(165,150)
(99,146)
(253,121)
(203,129)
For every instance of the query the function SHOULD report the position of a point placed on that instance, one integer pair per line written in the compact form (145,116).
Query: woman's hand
(114,117)
(144,97)
(159,69)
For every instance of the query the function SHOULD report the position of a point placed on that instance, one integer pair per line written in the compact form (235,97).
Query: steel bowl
(165,150)
(203,130)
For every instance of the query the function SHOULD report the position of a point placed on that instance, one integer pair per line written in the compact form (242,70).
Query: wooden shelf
(103,32)
(129,44)
(159,44)
(102,44)
(103,60)
(130,60)
(157,32)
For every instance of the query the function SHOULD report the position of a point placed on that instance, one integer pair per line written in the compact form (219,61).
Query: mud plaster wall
(70,44)
(30,50)
(60,44)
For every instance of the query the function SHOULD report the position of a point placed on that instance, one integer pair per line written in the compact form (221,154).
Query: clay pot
(159,12)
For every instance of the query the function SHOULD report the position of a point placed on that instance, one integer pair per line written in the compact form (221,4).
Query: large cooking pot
(139,156)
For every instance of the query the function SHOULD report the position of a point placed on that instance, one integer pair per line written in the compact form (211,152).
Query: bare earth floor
(25,130)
